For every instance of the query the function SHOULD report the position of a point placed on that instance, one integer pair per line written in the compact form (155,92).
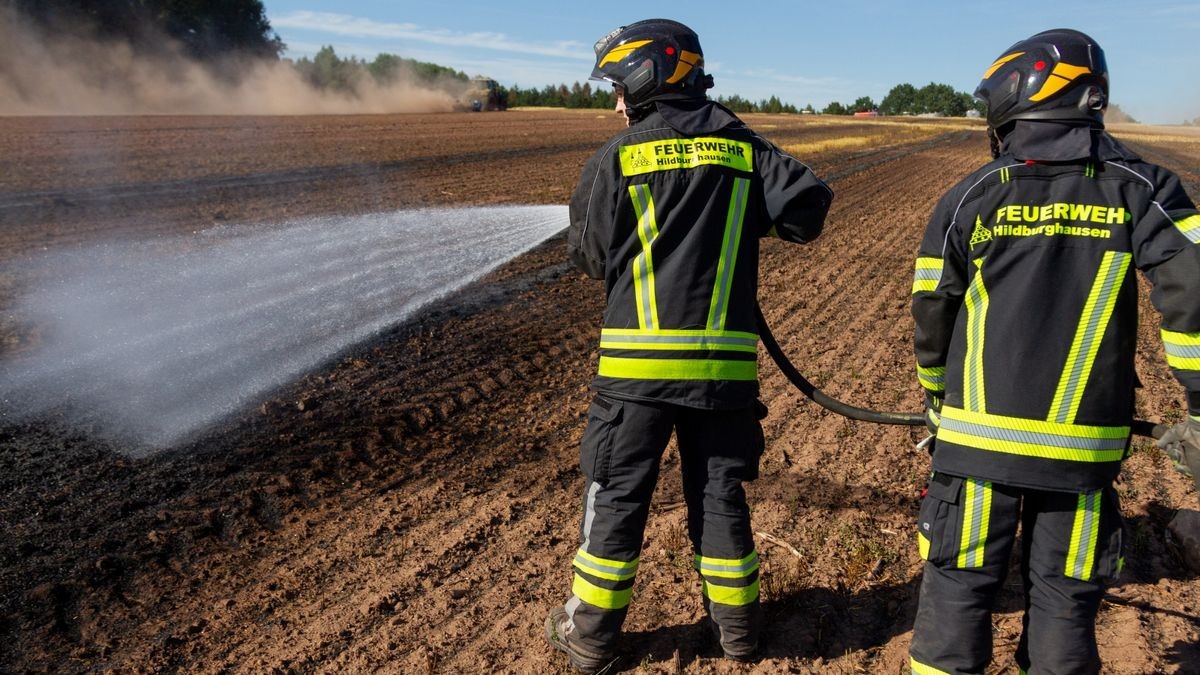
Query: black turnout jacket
(1025,301)
(669,214)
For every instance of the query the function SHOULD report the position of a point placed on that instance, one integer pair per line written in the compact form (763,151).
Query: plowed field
(413,505)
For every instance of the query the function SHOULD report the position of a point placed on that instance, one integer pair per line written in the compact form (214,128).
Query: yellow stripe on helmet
(999,62)
(621,51)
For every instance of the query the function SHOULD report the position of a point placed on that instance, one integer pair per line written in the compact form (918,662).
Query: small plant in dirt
(783,578)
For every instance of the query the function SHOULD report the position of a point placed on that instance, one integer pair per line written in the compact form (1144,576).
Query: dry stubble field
(412,506)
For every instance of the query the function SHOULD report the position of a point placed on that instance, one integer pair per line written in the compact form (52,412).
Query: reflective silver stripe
(715,340)
(589,513)
(977,306)
(1184,351)
(1032,437)
(1083,535)
(927,275)
(1098,312)
(729,250)
(978,499)
(743,569)
(594,566)
(589,516)
(643,265)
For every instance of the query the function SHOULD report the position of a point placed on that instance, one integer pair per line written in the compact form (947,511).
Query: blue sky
(801,51)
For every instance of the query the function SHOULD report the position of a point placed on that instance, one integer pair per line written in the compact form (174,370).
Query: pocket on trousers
(1110,547)
(758,442)
(595,452)
(938,518)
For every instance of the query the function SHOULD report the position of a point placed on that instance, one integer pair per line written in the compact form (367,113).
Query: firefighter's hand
(1182,445)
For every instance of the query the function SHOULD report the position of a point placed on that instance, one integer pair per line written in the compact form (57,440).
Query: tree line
(327,70)
(903,99)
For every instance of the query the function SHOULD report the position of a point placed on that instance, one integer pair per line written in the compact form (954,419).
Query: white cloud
(358,27)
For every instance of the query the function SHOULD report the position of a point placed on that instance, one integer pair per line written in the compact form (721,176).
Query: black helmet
(652,60)
(1055,75)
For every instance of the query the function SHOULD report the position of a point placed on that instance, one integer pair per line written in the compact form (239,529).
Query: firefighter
(1025,301)
(669,214)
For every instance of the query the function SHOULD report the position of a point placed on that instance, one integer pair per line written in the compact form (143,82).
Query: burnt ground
(413,505)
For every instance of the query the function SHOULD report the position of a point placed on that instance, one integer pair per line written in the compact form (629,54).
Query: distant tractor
(486,94)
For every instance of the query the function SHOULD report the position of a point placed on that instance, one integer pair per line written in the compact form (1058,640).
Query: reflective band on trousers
(719,306)
(605,598)
(977,306)
(614,570)
(919,668)
(735,596)
(1183,349)
(727,568)
(1097,312)
(977,509)
(643,263)
(932,379)
(687,340)
(928,274)
(1190,227)
(923,546)
(1032,438)
(677,369)
(1082,553)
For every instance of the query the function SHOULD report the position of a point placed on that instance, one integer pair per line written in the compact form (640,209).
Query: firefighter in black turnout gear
(1025,301)
(669,214)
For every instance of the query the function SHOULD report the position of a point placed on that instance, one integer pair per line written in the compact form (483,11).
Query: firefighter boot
(738,635)
(559,632)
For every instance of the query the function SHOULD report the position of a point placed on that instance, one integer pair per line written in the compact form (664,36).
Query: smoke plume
(70,73)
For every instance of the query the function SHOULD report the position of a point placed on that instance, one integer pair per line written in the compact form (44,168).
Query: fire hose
(912,419)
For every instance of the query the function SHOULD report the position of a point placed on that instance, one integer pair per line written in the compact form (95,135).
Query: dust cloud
(150,342)
(73,75)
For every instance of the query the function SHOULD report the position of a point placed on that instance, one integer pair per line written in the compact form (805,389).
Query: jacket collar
(696,116)
(1053,141)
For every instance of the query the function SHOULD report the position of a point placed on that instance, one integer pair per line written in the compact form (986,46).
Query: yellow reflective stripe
(1032,438)
(687,60)
(1097,312)
(932,379)
(643,263)
(727,568)
(919,668)
(719,306)
(726,595)
(1082,552)
(676,332)
(621,51)
(923,546)
(613,570)
(927,274)
(686,153)
(1183,349)
(977,306)
(604,598)
(1061,76)
(996,66)
(977,509)
(677,369)
(1190,227)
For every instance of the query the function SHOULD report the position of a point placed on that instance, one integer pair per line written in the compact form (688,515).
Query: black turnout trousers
(621,449)
(1071,550)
